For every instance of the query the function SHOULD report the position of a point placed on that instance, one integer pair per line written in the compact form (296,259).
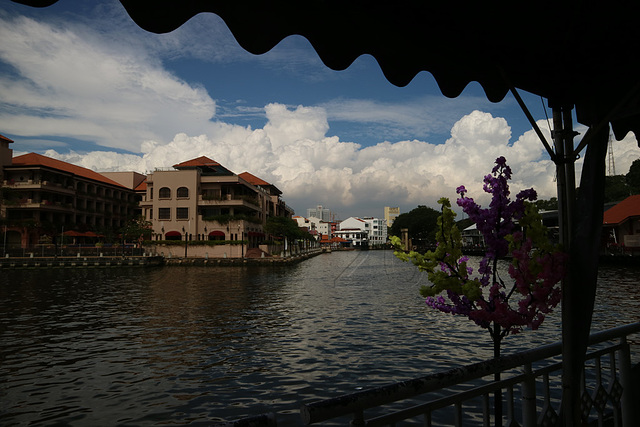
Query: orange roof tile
(619,213)
(253,180)
(142,186)
(4,138)
(200,161)
(34,159)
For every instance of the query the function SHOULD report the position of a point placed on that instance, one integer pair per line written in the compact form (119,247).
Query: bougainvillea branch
(503,305)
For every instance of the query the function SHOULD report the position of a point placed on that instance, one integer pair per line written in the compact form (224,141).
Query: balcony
(36,185)
(229,200)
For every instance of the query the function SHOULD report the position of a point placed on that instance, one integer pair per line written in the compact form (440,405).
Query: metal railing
(604,394)
(530,389)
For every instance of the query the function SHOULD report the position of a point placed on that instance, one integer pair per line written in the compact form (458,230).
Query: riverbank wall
(146,261)
(79,262)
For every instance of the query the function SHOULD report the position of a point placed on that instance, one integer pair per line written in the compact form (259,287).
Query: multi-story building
(373,231)
(320,212)
(202,200)
(321,228)
(44,196)
(390,214)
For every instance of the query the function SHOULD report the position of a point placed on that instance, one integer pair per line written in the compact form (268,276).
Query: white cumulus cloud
(293,152)
(74,82)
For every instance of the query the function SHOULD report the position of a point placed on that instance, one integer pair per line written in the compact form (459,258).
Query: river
(195,345)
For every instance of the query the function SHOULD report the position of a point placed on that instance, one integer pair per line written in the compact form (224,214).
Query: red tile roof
(4,138)
(619,213)
(34,159)
(200,161)
(142,186)
(253,180)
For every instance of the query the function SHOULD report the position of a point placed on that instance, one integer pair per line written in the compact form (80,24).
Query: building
(390,214)
(316,225)
(320,212)
(202,200)
(621,224)
(42,196)
(373,231)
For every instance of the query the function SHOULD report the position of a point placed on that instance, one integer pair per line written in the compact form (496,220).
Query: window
(164,193)
(150,213)
(164,213)
(182,213)
(182,193)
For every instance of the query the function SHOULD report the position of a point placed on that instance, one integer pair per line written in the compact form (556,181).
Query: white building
(314,223)
(372,231)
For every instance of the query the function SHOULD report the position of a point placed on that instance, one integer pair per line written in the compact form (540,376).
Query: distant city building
(371,231)
(390,214)
(319,212)
(322,228)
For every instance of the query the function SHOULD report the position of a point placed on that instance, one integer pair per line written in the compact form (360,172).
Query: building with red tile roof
(621,223)
(200,199)
(43,196)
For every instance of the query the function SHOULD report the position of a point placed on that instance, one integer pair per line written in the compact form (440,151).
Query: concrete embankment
(144,261)
(79,262)
(270,260)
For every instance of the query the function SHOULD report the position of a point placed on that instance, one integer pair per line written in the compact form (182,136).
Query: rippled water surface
(192,345)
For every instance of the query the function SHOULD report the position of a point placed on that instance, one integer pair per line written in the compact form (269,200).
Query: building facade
(320,212)
(390,214)
(202,200)
(42,196)
(373,231)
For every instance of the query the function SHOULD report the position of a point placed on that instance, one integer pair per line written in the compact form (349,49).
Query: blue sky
(79,81)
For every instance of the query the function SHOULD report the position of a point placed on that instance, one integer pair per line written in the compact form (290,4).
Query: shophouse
(202,200)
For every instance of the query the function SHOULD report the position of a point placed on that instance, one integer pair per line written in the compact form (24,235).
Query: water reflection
(191,345)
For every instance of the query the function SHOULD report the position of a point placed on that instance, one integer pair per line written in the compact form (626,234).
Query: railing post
(358,419)
(624,360)
(529,398)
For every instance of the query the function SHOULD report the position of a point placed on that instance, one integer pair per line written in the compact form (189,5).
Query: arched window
(164,193)
(182,193)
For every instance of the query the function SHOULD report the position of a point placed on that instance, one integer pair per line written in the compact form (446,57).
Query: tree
(282,226)
(421,222)
(547,205)
(633,177)
(136,229)
(616,188)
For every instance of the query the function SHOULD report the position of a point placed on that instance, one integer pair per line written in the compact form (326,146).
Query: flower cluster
(509,227)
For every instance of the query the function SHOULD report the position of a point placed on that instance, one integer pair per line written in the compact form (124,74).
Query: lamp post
(185,242)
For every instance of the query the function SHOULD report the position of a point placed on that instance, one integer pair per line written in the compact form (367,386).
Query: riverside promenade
(80,261)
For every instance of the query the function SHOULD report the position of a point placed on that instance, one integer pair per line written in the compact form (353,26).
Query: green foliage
(282,226)
(226,219)
(195,242)
(633,177)
(421,223)
(616,188)
(136,228)
(547,205)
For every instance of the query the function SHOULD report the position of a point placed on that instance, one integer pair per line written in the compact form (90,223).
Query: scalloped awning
(572,53)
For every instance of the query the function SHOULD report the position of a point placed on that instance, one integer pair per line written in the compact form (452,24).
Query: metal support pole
(529,398)
(563,139)
(628,404)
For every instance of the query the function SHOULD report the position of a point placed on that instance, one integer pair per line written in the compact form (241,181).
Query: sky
(80,82)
